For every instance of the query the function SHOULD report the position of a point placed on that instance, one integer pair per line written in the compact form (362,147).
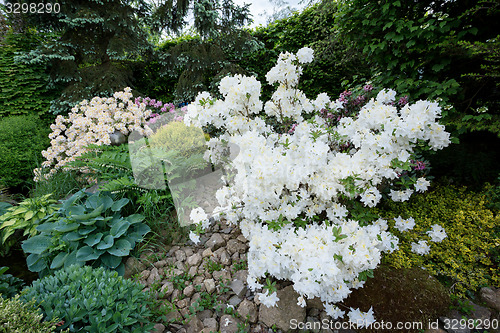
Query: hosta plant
(92,300)
(26,217)
(9,285)
(87,229)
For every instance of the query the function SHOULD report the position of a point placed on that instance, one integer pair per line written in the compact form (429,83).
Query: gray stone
(284,311)
(238,287)
(160,264)
(194,260)
(313,324)
(196,297)
(453,317)
(215,242)
(235,246)
(167,288)
(241,275)
(158,328)
(181,304)
(144,274)
(225,259)
(175,295)
(193,270)
(133,266)
(209,285)
(211,323)
(189,251)
(180,255)
(234,301)
(207,253)
(228,324)
(491,297)
(248,309)
(479,312)
(242,239)
(180,265)
(205,314)
(117,138)
(222,275)
(173,315)
(434,330)
(195,325)
(154,276)
(188,291)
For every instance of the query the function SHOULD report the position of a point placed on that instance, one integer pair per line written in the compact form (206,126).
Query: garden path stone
(248,308)
(194,260)
(238,287)
(491,297)
(228,324)
(286,310)
(215,242)
(195,325)
(158,328)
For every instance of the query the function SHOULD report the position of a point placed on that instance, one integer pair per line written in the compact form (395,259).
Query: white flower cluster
(284,177)
(91,122)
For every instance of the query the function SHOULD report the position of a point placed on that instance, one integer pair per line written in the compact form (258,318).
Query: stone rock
(248,309)
(196,297)
(215,242)
(285,310)
(160,264)
(193,270)
(315,303)
(491,297)
(153,276)
(235,246)
(173,315)
(175,295)
(235,257)
(238,287)
(234,301)
(225,259)
(195,325)
(133,266)
(207,253)
(144,274)
(211,323)
(117,138)
(313,324)
(228,324)
(158,328)
(222,275)
(180,265)
(188,291)
(167,288)
(189,251)
(450,319)
(180,255)
(194,260)
(434,330)
(209,285)
(479,312)
(241,275)
(186,314)
(205,314)
(181,304)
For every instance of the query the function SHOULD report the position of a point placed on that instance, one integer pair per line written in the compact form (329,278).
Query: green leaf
(121,248)
(106,243)
(59,260)
(72,236)
(110,260)
(135,218)
(119,228)
(46,227)
(93,239)
(36,244)
(86,253)
(86,230)
(71,259)
(65,227)
(117,205)
(35,262)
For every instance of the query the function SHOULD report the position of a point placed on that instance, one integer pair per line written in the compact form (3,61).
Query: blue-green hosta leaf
(142,229)
(68,203)
(62,226)
(86,253)
(72,236)
(37,244)
(86,230)
(121,248)
(46,227)
(119,228)
(35,262)
(110,260)
(71,259)
(106,243)
(75,210)
(94,201)
(135,218)
(59,260)
(93,239)
(117,205)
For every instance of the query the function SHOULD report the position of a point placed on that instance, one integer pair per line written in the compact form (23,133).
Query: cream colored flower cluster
(92,122)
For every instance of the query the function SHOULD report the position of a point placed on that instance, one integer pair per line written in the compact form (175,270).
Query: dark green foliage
(88,228)
(22,86)
(9,285)
(22,138)
(21,317)
(92,300)
(422,49)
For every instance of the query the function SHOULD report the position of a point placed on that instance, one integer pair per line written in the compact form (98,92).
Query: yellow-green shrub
(186,140)
(469,255)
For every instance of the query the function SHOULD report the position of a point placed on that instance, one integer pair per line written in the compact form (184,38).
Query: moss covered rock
(401,295)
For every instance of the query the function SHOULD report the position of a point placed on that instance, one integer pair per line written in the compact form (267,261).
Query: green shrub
(92,300)
(20,317)
(87,228)
(22,139)
(25,216)
(186,140)
(9,285)
(467,258)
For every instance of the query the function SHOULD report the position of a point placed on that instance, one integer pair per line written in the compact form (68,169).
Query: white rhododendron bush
(297,171)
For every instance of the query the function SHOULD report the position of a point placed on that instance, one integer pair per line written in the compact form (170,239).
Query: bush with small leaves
(92,300)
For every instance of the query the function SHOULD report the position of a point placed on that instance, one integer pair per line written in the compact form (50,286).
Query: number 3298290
(32,8)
